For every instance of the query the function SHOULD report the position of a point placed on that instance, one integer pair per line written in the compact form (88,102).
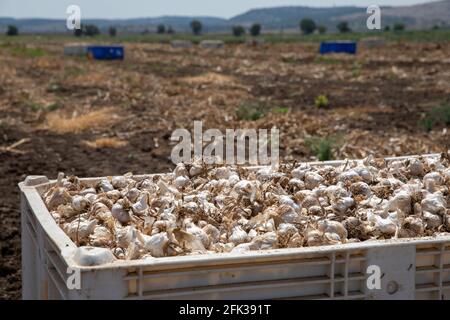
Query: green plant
(54,106)
(399,26)
(343,27)
(438,115)
(255,29)
(322,148)
(307,25)
(251,111)
(282,110)
(33,106)
(23,51)
(427,124)
(238,31)
(322,29)
(321,101)
(442,114)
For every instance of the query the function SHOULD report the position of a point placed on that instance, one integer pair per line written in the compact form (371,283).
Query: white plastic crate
(76,49)
(411,268)
(212,44)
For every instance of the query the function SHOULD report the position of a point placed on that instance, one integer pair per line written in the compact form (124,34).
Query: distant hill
(210,24)
(279,18)
(421,16)
(289,17)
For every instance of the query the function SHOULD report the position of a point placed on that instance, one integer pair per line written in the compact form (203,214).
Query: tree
(255,29)
(196,27)
(307,25)
(387,28)
(399,26)
(91,30)
(161,29)
(78,32)
(170,30)
(238,31)
(12,31)
(112,31)
(343,27)
(322,29)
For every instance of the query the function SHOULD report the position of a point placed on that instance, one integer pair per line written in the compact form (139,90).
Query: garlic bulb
(238,235)
(384,225)
(106,186)
(124,235)
(133,194)
(180,182)
(266,241)
(141,206)
(79,203)
(195,170)
(101,236)
(312,180)
(415,167)
(349,176)
(300,172)
(342,205)
(199,209)
(314,238)
(297,183)
(361,188)
(180,171)
(434,203)
(87,191)
(212,232)
(80,229)
(328,226)
(57,197)
(432,220)
(119,182)
(156,244)
(120,213)
(401,201)
(199,234)
(412,227)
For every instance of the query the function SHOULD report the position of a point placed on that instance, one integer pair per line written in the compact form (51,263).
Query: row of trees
(161,29)
(308,26)
(254,30)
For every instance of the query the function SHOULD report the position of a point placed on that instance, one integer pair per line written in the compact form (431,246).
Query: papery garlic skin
(200,209)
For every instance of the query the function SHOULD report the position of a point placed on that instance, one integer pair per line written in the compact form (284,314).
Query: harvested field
(95,118)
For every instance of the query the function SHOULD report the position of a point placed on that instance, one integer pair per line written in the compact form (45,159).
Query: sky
(152,8)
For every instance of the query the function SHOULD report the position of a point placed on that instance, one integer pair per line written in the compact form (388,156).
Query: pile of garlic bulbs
(209,209)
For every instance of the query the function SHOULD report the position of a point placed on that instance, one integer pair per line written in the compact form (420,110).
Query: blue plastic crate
(106,52)
(349,47)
